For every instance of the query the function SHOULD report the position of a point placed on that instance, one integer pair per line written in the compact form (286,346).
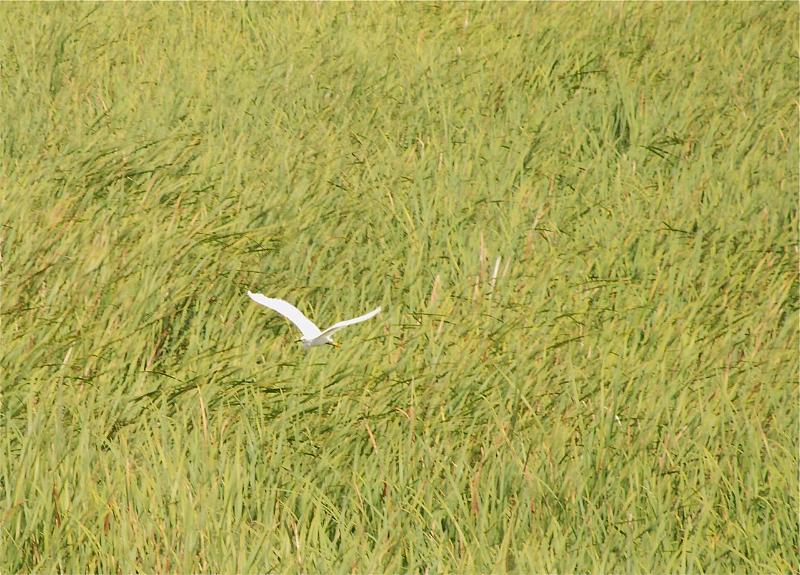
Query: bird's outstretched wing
(287,310)
(346,322)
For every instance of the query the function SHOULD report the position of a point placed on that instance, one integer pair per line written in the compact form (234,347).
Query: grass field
(580,220)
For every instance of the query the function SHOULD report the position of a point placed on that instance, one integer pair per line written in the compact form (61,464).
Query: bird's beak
(335,344)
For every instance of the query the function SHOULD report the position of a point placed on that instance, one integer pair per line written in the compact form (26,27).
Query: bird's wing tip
(254,296)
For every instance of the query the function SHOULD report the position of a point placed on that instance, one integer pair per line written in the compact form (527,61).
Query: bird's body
(312,335)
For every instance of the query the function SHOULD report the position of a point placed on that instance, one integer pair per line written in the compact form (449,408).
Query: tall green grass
(580,219)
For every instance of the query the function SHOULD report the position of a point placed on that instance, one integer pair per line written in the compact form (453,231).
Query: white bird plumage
(312,335)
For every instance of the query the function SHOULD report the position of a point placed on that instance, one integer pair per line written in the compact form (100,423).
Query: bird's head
(309,343)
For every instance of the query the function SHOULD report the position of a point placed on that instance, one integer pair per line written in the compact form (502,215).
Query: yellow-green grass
(581,223)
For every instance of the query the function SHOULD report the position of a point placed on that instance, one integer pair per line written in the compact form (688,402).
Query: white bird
(312,335)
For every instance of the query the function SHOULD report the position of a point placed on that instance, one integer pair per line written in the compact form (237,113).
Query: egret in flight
(312,335)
